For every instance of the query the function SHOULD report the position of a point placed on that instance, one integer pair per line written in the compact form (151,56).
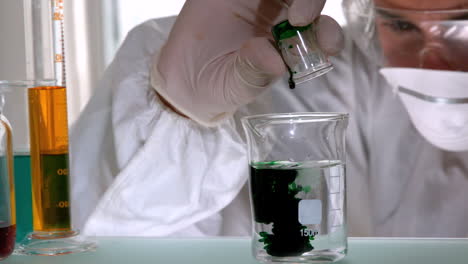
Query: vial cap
(285,30)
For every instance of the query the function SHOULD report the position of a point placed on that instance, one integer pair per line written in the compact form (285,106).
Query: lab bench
(237,251)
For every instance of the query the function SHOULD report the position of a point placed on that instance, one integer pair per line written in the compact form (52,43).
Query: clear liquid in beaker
(299,211)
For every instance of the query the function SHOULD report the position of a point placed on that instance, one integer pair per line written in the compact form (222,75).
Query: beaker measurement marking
(59,58)
(63,204)
(58,4)
(309,233)
(58,16)
(62,172)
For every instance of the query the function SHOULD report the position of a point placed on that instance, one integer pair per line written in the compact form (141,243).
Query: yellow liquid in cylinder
(49,158)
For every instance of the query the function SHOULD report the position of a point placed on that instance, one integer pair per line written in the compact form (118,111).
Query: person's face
(416,39)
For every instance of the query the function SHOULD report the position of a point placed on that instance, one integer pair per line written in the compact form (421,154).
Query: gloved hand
(219,55)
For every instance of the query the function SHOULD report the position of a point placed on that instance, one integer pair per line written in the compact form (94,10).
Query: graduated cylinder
(48,122)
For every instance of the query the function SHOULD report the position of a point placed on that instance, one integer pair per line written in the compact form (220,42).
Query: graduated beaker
(297,186)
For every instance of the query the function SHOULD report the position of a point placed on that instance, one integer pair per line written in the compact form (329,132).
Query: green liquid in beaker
(275,203)
(299,208)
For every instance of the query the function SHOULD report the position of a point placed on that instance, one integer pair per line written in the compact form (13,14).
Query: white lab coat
(138,169)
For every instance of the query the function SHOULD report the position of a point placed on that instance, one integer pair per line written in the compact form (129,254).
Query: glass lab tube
(7,190)
(48,120)
(45,41)
(49,159)
(16,109)
(300,52)
(48,124)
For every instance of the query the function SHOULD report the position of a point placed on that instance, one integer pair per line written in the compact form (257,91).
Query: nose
(444,47)
(433,56)
(433,53)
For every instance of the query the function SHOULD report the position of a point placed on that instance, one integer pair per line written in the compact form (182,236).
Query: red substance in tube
(7,240)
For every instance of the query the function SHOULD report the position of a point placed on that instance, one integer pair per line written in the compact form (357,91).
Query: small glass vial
(300,51)
(7,193)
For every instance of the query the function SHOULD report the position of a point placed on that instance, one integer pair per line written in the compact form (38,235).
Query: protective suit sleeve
(220,55)
(170,173)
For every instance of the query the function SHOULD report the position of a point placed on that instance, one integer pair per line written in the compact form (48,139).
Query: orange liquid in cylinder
(49,158)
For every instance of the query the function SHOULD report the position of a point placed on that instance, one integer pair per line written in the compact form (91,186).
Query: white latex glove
(219,55)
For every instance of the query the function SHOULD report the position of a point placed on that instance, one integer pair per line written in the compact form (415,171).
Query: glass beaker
(7,189)
(297,186)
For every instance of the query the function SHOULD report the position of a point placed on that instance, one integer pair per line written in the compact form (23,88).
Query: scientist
(159,151)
